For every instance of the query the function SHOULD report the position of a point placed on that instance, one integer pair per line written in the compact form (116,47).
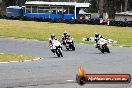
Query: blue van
(14,12)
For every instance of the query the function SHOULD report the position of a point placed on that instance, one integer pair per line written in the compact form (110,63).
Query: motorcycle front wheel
(59,53)
(102,50)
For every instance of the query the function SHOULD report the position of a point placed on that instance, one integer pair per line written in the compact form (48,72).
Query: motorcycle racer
(65,36)
(97,38)
(51,40)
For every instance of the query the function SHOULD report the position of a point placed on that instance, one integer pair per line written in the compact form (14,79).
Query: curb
(109,45)
(38,58)
(24,39)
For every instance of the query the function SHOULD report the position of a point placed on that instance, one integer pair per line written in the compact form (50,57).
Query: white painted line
(81,43)
(14,61)
(70,80)
(36,59)
(11,38)
(21,61)
(26,60)
(24,39)
(120,46)
(131,47)
(1,53)
(109,45)
(21,55)
(4,62)
(36,40)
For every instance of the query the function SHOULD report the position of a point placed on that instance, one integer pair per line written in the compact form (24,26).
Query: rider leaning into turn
(97,38)
(65,36)
(52,37)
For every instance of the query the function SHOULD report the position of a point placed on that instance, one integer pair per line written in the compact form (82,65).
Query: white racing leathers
(101,41)
(55,43)
(56,48)
(102,45)
(93,39)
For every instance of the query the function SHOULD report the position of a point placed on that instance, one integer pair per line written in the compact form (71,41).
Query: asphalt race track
(53,72)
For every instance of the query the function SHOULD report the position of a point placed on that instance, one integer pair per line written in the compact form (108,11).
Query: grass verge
(42,30)
(13,57)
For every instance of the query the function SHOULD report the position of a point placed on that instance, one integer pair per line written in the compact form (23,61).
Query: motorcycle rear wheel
(72,47)
(107,50)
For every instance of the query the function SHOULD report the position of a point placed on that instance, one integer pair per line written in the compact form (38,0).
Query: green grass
(13,57)
(42,30)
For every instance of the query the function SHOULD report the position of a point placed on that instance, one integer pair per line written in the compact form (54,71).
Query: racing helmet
(96,34)
(65,33)
(52,36)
